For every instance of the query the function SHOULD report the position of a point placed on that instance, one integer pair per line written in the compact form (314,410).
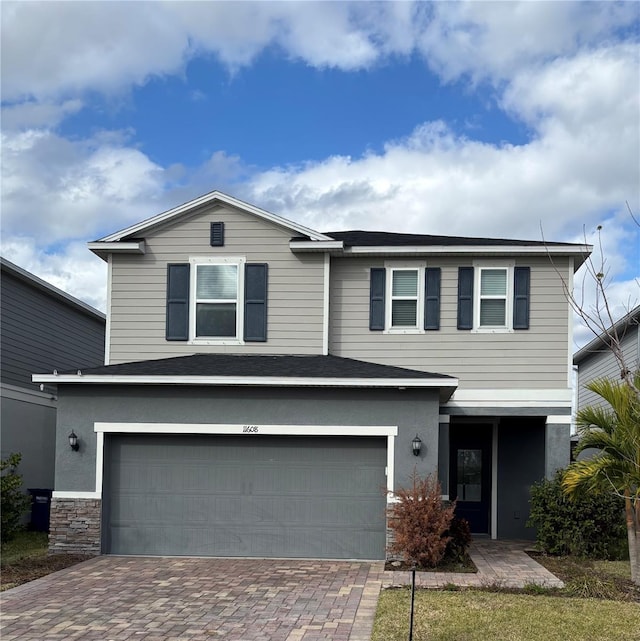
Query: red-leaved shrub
(419,521)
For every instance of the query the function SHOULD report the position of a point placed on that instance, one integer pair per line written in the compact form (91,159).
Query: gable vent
(217,234)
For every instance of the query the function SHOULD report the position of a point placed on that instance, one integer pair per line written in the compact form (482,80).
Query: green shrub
(586,525)
(13,502)
(419,521)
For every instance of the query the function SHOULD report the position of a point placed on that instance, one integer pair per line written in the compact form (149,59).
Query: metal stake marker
(413,594)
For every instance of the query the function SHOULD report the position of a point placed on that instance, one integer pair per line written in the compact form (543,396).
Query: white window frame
(479,267)
(216,260)
(399,267)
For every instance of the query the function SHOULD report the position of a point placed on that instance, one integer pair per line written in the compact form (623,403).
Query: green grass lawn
(25,545)
(473,615)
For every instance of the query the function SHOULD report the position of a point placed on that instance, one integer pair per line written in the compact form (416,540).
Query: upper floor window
(493,297)
(404,298)
(217,295)
(217,300)
(217,285)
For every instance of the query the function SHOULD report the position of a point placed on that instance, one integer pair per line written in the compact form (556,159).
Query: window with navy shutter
(376,298)
(521,295)
(177,322)
(255,302)
(432,298)
(465,297)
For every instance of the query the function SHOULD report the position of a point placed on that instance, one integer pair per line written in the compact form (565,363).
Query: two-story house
(267,386)
(41,327)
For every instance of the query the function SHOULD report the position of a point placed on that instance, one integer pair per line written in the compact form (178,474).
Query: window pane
(469,475)
(217,282)
(216,319)
(493,282)
(492,312)
(405,283)
(403,313)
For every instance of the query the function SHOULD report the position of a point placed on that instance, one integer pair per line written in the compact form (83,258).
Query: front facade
(263,384)
(41,327)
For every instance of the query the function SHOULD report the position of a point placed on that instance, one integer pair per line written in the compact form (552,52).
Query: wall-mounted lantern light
(416,445)
(73,441)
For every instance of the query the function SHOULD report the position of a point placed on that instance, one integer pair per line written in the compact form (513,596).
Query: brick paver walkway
(500,563)
(171,599)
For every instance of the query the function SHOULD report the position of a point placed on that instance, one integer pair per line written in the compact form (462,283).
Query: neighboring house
(41,328)
(265,382)
(596,360)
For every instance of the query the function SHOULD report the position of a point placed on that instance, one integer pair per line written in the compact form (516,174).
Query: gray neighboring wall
(42,328)
(595,360)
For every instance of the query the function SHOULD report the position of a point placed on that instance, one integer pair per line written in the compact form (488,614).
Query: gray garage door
(263,496)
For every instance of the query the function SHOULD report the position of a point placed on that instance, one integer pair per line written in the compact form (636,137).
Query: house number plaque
(250,429)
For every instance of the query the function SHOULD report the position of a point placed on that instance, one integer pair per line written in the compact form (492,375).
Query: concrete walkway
(500,563)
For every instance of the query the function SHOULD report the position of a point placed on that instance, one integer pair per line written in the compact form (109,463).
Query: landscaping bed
(25,558)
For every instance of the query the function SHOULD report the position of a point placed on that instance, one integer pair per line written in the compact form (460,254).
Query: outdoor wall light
(416,445)
(73,441)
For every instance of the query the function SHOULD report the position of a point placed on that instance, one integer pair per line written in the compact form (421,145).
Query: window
(404,298)
(217,302)
(493,298)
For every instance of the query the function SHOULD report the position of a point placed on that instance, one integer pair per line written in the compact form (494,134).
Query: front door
(470,473)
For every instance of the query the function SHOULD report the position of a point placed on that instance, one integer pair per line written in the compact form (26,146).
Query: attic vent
(217,234)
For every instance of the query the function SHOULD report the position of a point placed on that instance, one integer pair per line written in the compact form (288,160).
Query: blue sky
(475,119)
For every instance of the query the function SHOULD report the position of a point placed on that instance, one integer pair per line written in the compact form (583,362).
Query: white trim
(556,419)
(107,329)
(314,245)
(197,261)
(73,494)
(35,397)
(205,200)
(239,428)
(570,381)
(325,305)
(511,398)
(131,247)
(390,431)
(494,482)
(444,418)
(256,381)
(487,250)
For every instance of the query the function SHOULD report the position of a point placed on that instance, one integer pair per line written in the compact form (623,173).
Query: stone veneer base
(75,526)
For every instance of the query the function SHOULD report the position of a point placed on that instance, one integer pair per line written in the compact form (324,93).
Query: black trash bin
(40,509)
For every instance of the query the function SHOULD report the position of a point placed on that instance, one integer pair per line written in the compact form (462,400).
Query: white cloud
(74,270)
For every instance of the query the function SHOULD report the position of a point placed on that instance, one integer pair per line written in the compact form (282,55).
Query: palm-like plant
(614,429)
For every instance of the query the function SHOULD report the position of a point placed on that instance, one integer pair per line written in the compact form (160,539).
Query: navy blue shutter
(432,298)
(376,298)
(217,234)
(177,302)
(255,302)
(521,294)
(465,297)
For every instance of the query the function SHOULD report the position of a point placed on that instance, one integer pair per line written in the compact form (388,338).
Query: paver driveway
(162,599)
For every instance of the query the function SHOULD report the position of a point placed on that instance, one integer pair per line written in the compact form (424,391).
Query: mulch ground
(29,569)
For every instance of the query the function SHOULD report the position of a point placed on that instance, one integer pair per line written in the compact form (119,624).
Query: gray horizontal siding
(534,358)
(40,333)
(295,288)
(602,364)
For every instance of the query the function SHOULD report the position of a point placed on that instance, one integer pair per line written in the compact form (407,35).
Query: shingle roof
(359,238)
(238,365)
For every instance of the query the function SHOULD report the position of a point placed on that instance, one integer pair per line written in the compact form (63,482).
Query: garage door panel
(237,496)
